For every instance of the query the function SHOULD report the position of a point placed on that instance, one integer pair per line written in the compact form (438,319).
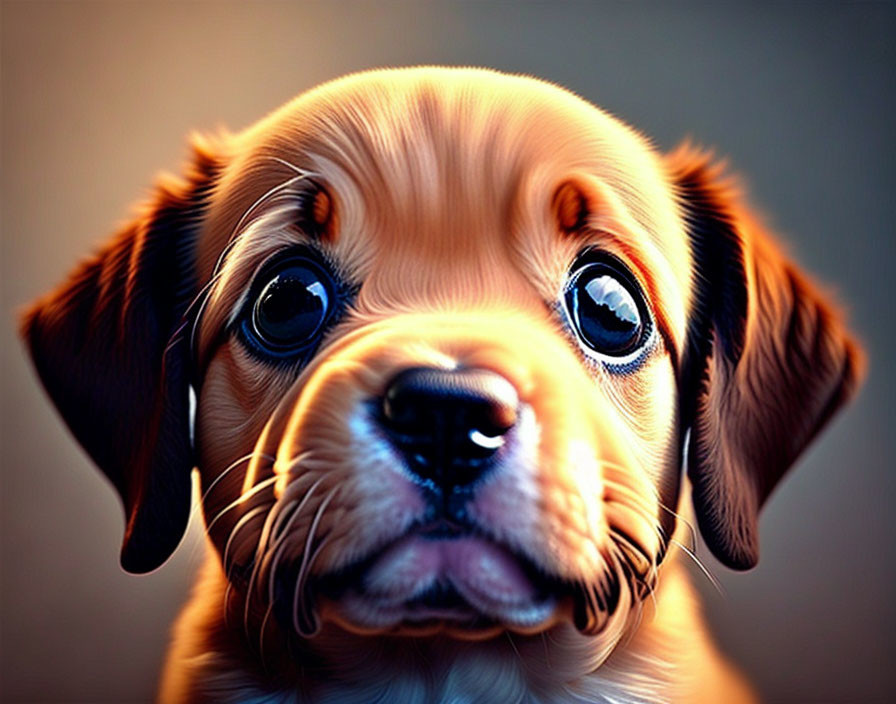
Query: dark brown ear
(768,361)
(110,349)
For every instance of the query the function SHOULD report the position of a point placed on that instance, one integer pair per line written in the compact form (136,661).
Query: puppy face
(445,287)
(447,330)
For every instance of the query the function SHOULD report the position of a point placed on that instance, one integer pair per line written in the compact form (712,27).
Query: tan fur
(456,201)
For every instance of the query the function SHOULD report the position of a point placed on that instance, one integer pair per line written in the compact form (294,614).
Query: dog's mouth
(443,576)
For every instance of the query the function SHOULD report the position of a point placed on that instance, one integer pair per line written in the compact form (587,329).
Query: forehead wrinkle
(381,124)
(401,136)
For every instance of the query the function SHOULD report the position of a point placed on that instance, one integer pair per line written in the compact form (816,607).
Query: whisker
(515,649)
(324,541)
(282,540)
(302,459)
(186,319)
(274,517)
(705,570)
(202,292)
(258,201)
(264,623)
(277,553)
(300,171)
(216,276)
(175,337)
(197,506)
(233,465)
(286,511)
(685,521)
(236,529)
(264,540)
(284,533)
(300,581)
(240,499)
(202,299)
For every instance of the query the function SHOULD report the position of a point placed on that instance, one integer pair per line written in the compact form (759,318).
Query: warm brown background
(97,97)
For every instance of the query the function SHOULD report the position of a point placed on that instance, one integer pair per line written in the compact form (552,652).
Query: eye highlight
(291,302)
(607,310)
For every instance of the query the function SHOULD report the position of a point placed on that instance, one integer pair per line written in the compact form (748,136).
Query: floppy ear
(768,360)
(110,350)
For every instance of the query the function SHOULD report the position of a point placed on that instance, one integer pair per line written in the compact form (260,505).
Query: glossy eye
(607,309)
(289,312)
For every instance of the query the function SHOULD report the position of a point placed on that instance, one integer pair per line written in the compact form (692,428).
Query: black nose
(449,423)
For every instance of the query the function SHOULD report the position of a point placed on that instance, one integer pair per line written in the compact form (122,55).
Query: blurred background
(98,97)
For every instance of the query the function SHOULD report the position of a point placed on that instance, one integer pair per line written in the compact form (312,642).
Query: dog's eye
(606,309)
(291,308)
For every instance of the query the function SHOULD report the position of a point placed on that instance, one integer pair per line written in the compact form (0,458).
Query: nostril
(494,414)
(408,405)
(449,422)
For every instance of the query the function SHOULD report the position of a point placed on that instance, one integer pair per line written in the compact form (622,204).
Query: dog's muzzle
(451,430)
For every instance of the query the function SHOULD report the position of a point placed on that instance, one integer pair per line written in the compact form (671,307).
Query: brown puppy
(437,341)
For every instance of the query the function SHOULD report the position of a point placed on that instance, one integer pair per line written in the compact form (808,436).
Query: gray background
(96,98)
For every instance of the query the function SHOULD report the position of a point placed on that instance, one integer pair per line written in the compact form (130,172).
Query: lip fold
(442,572)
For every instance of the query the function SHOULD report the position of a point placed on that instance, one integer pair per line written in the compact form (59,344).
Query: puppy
(437,341)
